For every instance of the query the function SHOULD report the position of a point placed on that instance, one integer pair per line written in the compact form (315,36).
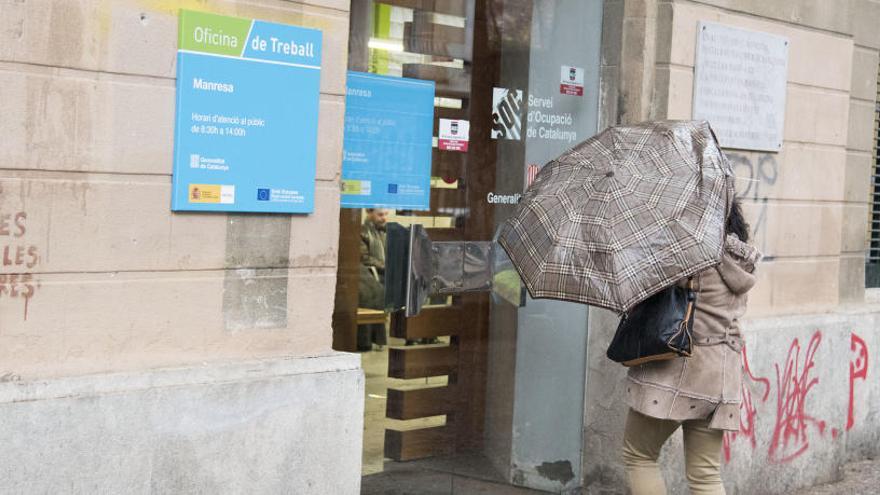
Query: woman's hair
(736,222)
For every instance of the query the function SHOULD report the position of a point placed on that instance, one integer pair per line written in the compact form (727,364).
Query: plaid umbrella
(623,215)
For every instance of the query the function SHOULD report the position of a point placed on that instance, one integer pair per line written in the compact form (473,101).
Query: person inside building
(701,394)
(372,276)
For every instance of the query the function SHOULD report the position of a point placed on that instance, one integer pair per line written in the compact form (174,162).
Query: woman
(702,393)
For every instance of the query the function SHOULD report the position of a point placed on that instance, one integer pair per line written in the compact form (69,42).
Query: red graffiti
(17,259)
(858,370)
(790,438)
(748,412)
(794,382)
(726,440)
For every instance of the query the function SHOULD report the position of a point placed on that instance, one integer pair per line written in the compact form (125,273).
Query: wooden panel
(449,81)
(366,316)
(451,113)
(451,7)
(441,235)
(431,322)
(410,445)
(345,304)
(420,403)
(450,164)
(448,198)
(427,38)
(422,362)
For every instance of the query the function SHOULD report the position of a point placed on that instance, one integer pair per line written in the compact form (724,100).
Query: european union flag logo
(392,188)
(263,195)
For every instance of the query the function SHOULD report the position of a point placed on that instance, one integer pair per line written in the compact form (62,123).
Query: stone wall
(118,281)
(101,280)
(269,426)
(810,331)
(793,199)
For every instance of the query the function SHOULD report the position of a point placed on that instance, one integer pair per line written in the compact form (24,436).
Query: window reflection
(446,389)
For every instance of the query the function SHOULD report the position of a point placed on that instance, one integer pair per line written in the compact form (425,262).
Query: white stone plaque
(739,85)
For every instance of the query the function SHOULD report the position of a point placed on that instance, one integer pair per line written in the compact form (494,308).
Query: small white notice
(571,81)
(453,135)
(739,85)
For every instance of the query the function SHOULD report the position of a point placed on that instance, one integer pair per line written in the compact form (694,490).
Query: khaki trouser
(643,438)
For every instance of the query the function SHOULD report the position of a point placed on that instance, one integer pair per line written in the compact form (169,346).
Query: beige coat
(708,384)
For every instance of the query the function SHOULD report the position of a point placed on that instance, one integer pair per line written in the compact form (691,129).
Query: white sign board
(453,135)
(739,85)
(571,81)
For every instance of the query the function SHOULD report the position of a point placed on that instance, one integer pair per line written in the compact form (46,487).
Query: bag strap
(691,302)
(683,326)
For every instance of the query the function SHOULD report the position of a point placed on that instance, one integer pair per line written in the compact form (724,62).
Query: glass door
(474,391)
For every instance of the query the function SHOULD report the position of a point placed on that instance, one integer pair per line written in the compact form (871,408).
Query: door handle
(417,268)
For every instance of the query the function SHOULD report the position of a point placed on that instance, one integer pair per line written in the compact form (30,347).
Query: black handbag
(657,328)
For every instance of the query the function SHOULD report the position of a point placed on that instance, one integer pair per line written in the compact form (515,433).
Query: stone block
(859,168)
(331,127)
(805,47)
(834,53)
(612,32)
(139,37)
(863,23)
(795,286)
(257,241)
(819,14)
(864,78)
(852,279)
(665,32)
(87,226)
(71,120)
(640,9)
(661,95)
(854,228)
(90,323)
(80,121)
(637,71)
(636,43)
(808,172)
(227,428)
(609,91)
(801,171)
(314,240)
(681,93)
(815,115)
(795,229)
(862,115)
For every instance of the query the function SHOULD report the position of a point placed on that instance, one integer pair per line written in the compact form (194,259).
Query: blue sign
(247,115)
(389,129)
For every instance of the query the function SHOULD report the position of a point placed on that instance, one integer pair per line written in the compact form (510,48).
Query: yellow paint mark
(173,6)
(104,17)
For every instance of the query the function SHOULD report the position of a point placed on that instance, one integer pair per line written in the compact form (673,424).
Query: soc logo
(263,195)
